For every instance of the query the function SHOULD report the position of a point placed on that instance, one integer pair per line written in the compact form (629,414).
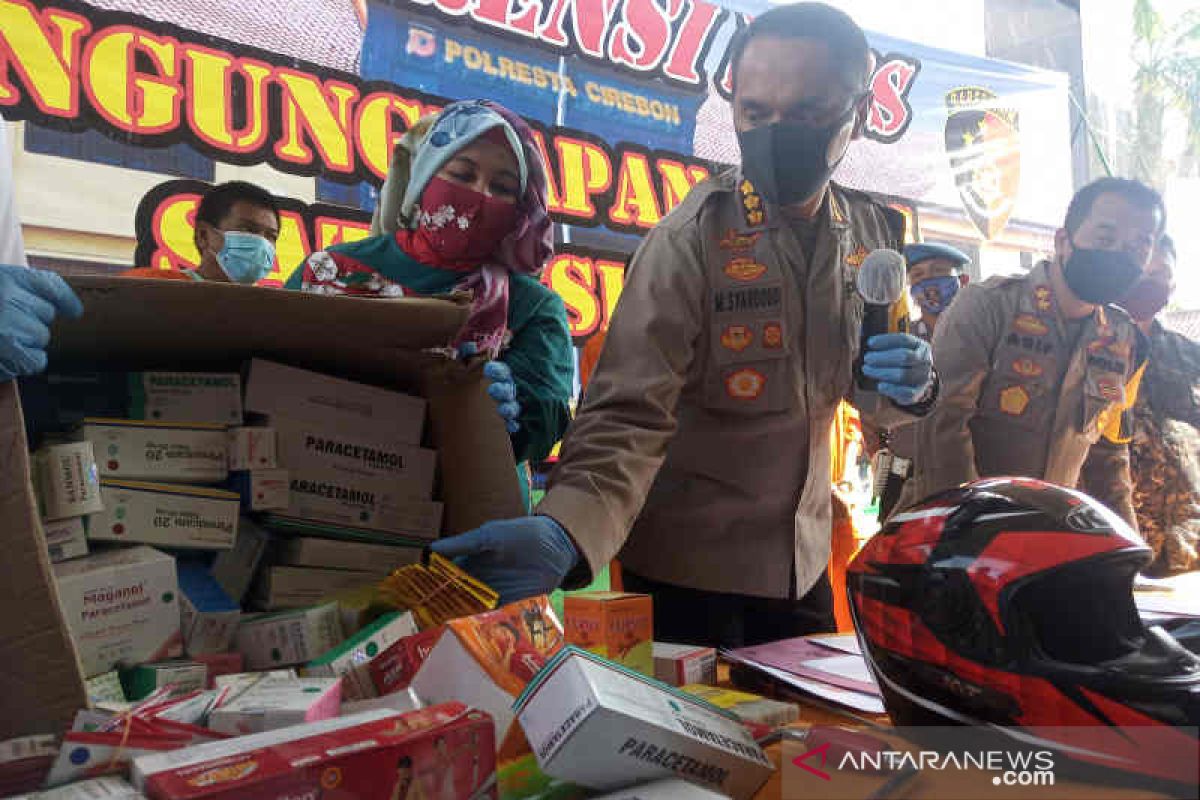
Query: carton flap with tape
(134,324)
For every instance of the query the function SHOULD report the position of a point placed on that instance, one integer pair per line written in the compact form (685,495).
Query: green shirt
(539,354)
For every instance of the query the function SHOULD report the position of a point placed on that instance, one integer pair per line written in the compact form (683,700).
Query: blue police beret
(916,253)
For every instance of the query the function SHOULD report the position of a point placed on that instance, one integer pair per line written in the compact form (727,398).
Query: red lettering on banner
(590,20)
(890,110)
(642,36)
(693,41)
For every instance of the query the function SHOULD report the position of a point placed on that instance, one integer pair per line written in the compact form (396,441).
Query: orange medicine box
(616,625)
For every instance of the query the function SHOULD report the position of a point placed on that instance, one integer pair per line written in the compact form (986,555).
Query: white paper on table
(853,667)
(1167,604)
(846,642)
(844,697)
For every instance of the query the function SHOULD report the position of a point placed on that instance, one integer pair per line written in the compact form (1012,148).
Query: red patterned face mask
(457,228)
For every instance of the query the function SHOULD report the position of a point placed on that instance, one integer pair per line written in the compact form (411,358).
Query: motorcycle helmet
(1008,603)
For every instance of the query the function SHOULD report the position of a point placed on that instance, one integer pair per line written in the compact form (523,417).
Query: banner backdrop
(133,106)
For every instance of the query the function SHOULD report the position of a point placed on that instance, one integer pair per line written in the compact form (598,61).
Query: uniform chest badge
(1109,391)
(1043,297)
(732,240)
(737,338)
(1014,400)
(745,384)
(1027,368)
(772,336)
(856,258)
(744,269)
(752,205)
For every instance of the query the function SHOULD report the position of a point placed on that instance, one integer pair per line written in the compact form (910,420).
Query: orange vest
(161,274)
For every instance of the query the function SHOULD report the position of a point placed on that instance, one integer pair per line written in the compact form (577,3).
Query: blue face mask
(246,257)
(933,295)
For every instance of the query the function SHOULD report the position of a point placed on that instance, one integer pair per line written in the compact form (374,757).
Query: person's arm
(963,343)
(1107,474)
(542,368)
(619,437)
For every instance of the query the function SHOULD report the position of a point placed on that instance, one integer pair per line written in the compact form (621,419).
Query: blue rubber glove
(29,301)
(519,558)
(502,389)
(903,365)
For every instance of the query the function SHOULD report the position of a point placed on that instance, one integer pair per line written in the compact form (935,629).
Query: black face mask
(1099,277)
(788,162)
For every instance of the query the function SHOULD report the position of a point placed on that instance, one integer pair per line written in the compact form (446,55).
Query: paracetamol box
(269,641)
(308,449)
(595,723)
(157,451)
(165,514)
(121,607)
(65,538)
(275,389)
(296,587)
(681,664)
(234,569)
(67,479)
(208,617)
(261,489)
(252,448)
(307,551)
(277,703)
(349,660)
(186,397)
(362,503)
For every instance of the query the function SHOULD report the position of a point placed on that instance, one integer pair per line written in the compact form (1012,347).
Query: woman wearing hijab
(464,208)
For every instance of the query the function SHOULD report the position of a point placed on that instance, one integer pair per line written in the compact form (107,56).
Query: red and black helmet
(1008,602)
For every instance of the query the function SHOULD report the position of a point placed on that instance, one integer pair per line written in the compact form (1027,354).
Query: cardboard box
(616,625)
(394,669)
(135,324)
(219,665)
(208,617)
(87,755)
(291,637)
(109,787)
(403,702)
(273,389)
(310,450)
(185,676)
(68,480)
(165,514)
(444,752)
(350,659)
(488,659)
(598,724)
(65,538)
(296,587)
(121,607)
(252,448)
(234,569)
(277,703)
(157,451)
(311,552)
(239,682)
(261,489)
(342,500)
(680,664)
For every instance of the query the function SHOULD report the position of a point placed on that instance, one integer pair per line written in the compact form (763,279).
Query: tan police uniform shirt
(701,449)
(1024,391)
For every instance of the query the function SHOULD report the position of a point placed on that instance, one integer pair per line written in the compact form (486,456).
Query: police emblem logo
(983,144)
(745,384)
(1044,298)
(737,338)
(1030,325)
(744,269)
(732,240)
(1027,368)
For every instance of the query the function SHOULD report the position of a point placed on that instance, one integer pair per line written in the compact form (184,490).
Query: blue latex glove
(502,389)
(903,365)
(29,301)
(519,558)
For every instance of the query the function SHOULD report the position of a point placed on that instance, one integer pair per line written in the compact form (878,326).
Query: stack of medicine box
(359,501)
(133,460)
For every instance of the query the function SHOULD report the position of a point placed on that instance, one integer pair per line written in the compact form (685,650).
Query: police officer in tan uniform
(1033,366)
(701,451)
